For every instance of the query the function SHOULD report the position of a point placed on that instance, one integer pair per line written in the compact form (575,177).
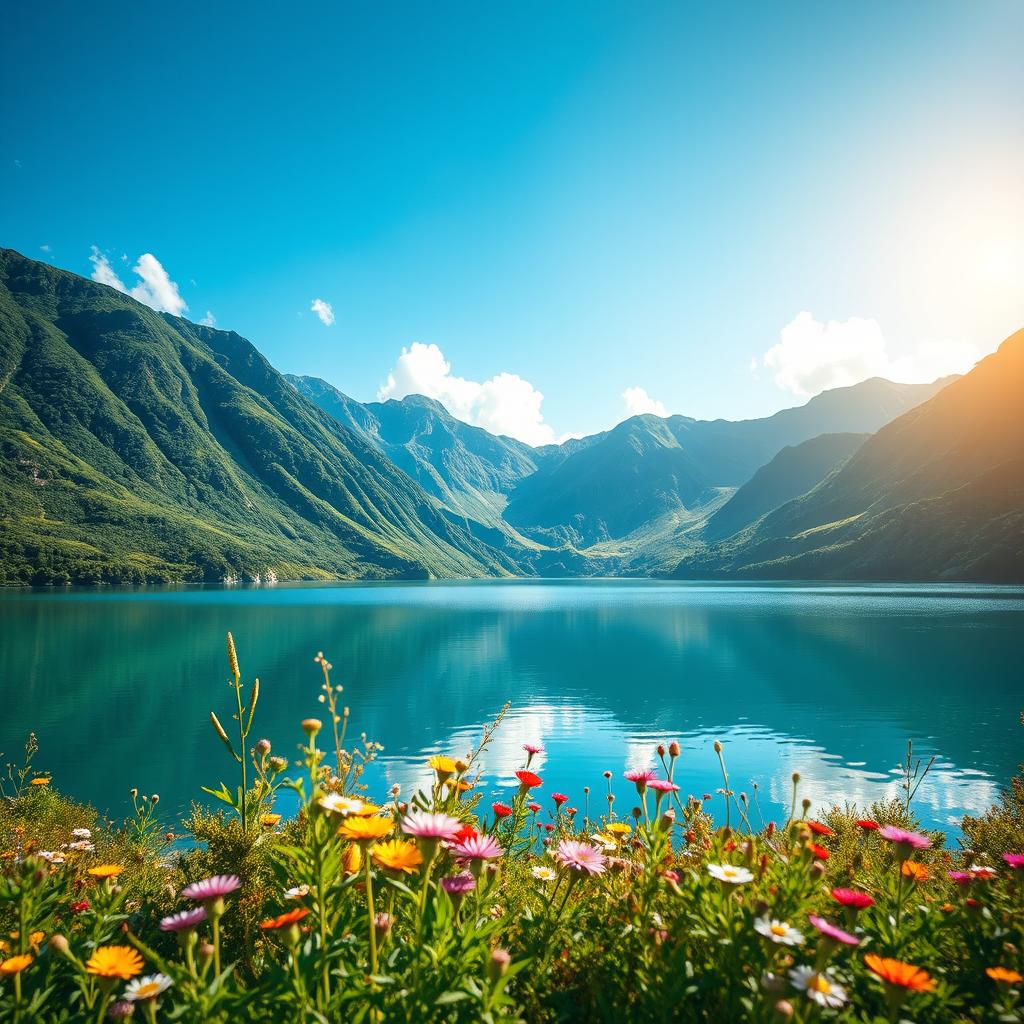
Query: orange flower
(398,855)
(352,859)
(915,871)
(40,782)
(115,962)
(284,920)
(106,870)
(269,820)
(1005,975)
(15,964)
(366,830)
(895,972)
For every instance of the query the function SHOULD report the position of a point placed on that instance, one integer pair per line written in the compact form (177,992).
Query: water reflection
(827,681)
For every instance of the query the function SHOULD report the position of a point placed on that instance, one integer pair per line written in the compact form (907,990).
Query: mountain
(648,467)
(140,446)
(796,469)
(936,494)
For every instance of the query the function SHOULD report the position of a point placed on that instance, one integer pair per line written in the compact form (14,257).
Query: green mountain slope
(796,469)
(137,445)
(936,494)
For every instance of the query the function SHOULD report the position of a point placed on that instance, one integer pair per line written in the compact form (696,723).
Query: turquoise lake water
(830,681)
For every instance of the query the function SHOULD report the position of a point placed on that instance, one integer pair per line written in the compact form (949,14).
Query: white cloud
(209,320)
(154,287)
(812,357)
(637,402)
(505,404)
(45,248)
(324,311)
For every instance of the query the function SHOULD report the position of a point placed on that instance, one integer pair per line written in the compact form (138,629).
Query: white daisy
(730,873)
(333,803)
(819,986)
(543,873)
(778,931)
(81,833)
(148,987)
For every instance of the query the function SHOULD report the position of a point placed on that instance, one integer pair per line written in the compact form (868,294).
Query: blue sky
(720,208)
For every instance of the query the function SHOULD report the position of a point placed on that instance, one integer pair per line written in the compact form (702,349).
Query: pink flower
(582,858)
(559,798)
(533,748)
(670,875)
(210,889)
(960,877)
(478,848)
(535,807)
(852,898)
(830,931)
(461,883)
(640,777)
(902,838)
(184,920)
(662,786)
(1014,860)
(425,825)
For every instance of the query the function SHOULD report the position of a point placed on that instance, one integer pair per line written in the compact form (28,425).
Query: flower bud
(637,812)
(817,870)
(783,1010)
(156,799)
(796,778)
(232,657)
(278,764)
(122,1009)
(674,749)
(205,953)
(718,746)
(498,964)
(59,944)
(263,748)
(382,925)
(311,726)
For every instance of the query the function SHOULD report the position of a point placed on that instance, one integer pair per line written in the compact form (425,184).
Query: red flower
(730,846)
(868,825)
(284,920)
(852,898)
(570,811)
(79,907)
(819,851)
(549,828)
(501,810)
(559,798)
(820,830)
(534,807)
(527,780)
(464,833)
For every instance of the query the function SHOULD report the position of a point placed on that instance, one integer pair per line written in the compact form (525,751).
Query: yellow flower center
(147,991)
(819,984)
(779,929)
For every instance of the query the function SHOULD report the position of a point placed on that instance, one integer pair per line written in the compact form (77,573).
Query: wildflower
(269,820)
(618,828)
(398,855)
(184,920)
(1004,975)
(904,841)
(478,848)
(778,931)
(424,825)
(342,806)
(581,858)
(351,860)
(730,874)
(528,780)
(51,857)
(120,1010)
(366,831)
(211,889)
(311,726)
(465,832)
(298,892)
(868,825)
(670,875)
(459,785)
(79,907)
(458,884)
(640,777)
(501,810)
(960,877)
(830,931)
(114,962)
(444,767)
(852,898)
(914,871)
(662,786)
(819,986)
(559,799)
(1014,860)
(106,870)
(819,829)
(498,964)
(819,852)
(983,874)
(15,964)
(543,873)
(150,987)
(532,749)
(81,833)
(534,807)
(899,974)
(82,846)
(40,782)
(284,920)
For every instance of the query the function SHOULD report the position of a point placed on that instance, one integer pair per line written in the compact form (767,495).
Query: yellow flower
(40,782)
(367,810)
(618,828)
(352,859)
(15,964)
(460,784)
(115,962)
(366,830)
(35,939)
(269,820)
(444,766)
(398,855)
(915,871)
(106,870)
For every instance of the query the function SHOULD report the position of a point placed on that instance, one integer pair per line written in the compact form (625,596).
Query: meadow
(437,906)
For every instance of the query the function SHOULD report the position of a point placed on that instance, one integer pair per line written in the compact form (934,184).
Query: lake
(830,681)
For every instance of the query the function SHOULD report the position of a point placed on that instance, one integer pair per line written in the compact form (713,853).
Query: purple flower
(210,889)
(458,884)
(1014,860)
(184,920)
(901,837)
(580,857)
(424,825)
(478,848)
(830,931)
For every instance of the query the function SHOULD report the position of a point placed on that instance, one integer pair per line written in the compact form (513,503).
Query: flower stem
(372,916)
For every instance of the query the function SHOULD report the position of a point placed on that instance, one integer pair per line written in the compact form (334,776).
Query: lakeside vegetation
(439,906)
